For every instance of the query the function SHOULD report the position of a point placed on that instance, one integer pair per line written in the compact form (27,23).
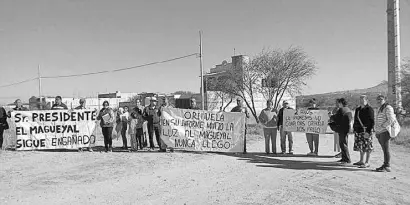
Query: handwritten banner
(50,129)
(201,130)
(307,121)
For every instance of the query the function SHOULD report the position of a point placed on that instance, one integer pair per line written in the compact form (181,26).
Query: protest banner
(201,130)
(52,129)
(306,121)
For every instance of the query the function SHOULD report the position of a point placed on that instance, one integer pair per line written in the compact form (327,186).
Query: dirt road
(192,178)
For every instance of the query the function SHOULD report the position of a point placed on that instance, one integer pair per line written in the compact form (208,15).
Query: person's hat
(285,102)
(154,99)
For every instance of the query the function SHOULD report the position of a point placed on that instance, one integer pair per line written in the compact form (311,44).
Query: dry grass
(404,136)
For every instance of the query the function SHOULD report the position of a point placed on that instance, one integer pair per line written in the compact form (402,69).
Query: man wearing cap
(313,139)
(283,133)
(192,105)
(82,107)
(152,115)
(240,108)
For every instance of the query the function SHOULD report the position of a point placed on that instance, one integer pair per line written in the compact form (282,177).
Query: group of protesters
(363,125)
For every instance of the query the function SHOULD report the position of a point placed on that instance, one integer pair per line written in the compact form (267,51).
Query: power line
(100,72)
(118,70)
(24,81)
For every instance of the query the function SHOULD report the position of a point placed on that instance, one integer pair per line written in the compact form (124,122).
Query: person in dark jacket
(3,125)
(107,118)
(343,120)
(363,127)
(283,134)
(152,115)
(59,105)
(313,139)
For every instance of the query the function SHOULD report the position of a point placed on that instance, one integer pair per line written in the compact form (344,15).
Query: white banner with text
(52,129)
(201,130)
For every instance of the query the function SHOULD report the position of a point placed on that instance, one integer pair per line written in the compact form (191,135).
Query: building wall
(214,103)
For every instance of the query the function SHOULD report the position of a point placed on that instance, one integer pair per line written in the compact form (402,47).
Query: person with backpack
(386,128)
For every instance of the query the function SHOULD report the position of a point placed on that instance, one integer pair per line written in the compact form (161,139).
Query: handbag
(366,134)
(394,128)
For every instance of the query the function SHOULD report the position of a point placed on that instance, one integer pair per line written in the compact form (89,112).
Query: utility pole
(393,46)
(39,87)
(202,72)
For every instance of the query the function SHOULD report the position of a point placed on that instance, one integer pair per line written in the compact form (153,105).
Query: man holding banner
(284,133)
(313,139)
(82,107)
(242,109)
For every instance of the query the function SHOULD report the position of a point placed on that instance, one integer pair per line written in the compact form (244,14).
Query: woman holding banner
(107,118)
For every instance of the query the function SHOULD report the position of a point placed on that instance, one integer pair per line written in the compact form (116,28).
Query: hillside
(327,100)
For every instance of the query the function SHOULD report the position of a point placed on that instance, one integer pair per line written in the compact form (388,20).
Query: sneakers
(338,155)
(358,163)
(383,169)
(291,153)
(310,154)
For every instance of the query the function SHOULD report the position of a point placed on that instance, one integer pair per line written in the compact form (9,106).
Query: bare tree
(271,73)
(217,96)
(284,71)
(405,88)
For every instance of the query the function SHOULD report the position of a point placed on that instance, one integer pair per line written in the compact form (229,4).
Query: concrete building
(219,73)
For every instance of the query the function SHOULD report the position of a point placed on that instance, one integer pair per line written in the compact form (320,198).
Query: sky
(347,39)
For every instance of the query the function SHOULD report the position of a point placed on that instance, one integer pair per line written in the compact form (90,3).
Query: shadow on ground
(292,162)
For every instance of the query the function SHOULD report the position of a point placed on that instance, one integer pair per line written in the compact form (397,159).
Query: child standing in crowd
(139,121)
(124,117)
(132,132)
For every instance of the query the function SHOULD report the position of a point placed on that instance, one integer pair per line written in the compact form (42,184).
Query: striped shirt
(384,118)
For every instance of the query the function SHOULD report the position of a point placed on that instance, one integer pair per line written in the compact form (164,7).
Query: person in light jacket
(384,120)
(268,118)
(107,118)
